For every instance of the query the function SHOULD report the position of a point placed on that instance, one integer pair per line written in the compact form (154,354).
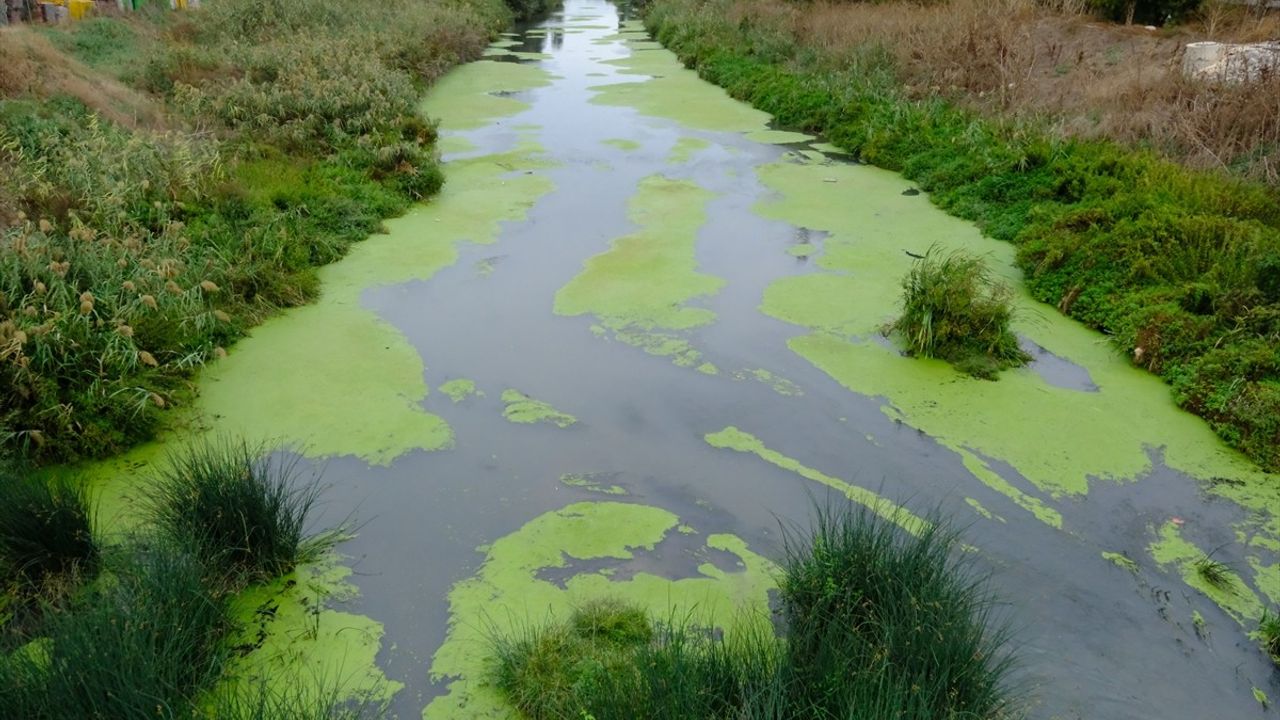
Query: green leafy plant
(953,309)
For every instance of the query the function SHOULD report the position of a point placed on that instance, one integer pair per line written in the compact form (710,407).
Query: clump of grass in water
(46,533)
(241,512)
(879,623)
(1215,573)
(954,310)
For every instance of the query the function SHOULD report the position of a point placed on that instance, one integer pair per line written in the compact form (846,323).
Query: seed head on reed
(149,301)
(147,358)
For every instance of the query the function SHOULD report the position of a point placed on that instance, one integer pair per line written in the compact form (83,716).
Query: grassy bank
(141,626)
(1180,267)
(167,180)
(877,624)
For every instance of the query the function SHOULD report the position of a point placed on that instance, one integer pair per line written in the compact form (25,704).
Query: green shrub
(241,512)
(954,310)
(46,532)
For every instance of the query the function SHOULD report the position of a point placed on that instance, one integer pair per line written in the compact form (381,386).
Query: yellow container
(79,9)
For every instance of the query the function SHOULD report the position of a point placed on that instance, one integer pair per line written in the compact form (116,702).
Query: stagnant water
(638,330)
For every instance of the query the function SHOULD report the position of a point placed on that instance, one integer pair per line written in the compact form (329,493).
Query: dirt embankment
(1017,59)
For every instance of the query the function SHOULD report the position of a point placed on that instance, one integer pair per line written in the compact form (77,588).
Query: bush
(954,310)
(46,532)
(878,624)
(240,512)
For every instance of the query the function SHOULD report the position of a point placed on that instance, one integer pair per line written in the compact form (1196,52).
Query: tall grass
(242,512)
(879,625)
(46,532)
(131,253)
(953,309)
(139,646)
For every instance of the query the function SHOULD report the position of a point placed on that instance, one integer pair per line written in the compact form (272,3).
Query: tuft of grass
(46,532)
(140,646)
(242,513)
(1269,634)
(954,310)
(879,624)
(1216,574)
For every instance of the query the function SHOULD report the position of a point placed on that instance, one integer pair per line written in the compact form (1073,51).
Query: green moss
(525,410)
(731,438)
(587,481)
(296,642)
(459,389)
(1120,560)
(507,592)
(685,148)
(266,387)
(623,144)
(468,97)
(1172,550)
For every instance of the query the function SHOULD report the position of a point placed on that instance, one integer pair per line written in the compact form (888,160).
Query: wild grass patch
(242,511)
(955,310)
(877,624)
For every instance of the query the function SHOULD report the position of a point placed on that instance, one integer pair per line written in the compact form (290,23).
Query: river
(637,332)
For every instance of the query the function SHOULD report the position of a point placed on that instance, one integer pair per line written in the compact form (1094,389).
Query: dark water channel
(1096,640)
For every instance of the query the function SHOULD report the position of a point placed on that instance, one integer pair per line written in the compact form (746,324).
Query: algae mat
(501,390)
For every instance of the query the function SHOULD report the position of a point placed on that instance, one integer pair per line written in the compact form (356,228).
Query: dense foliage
(132,254)
(1180,268)
(954,310)
(877,624)
(149,635)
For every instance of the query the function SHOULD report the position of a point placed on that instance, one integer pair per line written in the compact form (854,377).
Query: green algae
(623,144)
(267,386)
(460,389)
(802,250)
(1120,560)
(1170,549)
(518,54)
(731,438)
(509,592)
(525,410)
(871,224)
(828,148)
(591,482)
(685,148)
(780,385)
(465,97)
(301,645)
(640,287)
(455,144)
(777,137)
(677,93)
(982,510)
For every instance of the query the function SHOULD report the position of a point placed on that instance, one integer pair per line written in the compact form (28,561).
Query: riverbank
(169,180)
(1180,267)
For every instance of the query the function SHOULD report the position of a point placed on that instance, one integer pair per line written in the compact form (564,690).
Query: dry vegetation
(1089,78)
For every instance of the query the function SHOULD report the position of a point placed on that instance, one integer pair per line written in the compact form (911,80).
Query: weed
(1216,574)
(953,309)
(46,532)
(241,512)
(264,702)
(1269,634)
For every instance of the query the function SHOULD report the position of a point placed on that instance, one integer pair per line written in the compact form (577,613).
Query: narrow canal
(638,330)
